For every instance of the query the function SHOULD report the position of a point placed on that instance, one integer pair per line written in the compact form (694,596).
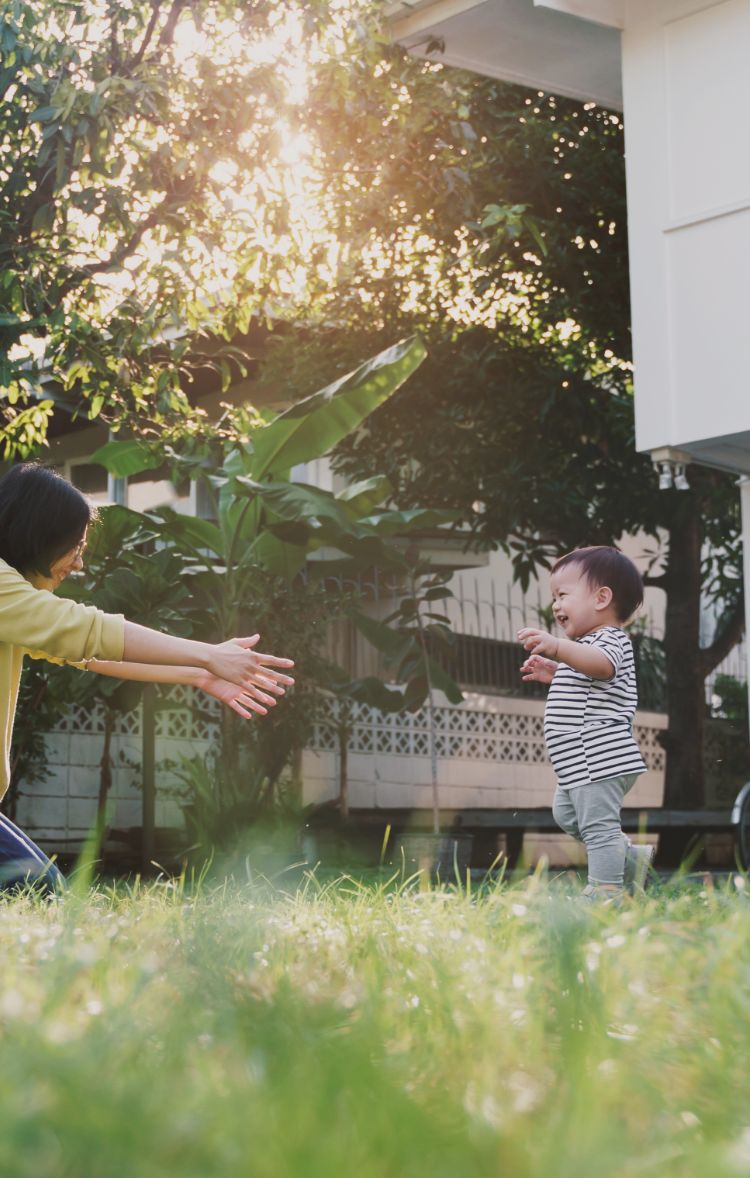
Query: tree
(155,192)
(527,389)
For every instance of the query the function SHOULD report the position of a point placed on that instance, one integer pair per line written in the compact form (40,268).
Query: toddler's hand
(538,642)
(538,670)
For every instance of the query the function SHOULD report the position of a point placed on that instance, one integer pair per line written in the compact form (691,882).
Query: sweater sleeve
(62,629)
(51,658)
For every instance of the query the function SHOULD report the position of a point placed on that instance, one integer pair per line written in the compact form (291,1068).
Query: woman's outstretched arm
(235,660)
(242,701)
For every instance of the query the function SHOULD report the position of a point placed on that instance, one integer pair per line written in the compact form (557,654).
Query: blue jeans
(22,862)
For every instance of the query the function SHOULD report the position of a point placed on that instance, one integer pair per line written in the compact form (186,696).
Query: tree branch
(166,36)
(167,205)
(729,635)
(140,52)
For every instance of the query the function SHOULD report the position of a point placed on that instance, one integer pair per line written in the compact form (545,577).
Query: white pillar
(744,484)
(117,490)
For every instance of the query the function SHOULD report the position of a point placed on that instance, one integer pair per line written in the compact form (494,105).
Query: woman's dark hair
(607,566)
(42,516)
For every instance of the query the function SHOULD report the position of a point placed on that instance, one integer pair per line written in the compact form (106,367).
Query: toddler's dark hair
(42,516)
(602,565)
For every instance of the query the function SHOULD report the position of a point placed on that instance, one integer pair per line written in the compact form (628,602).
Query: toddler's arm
(585,659)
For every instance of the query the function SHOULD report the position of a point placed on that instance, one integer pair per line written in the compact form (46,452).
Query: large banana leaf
(301,502)
(279,557)
(315,425)
(394,523)
(193,531)
(125,458)
(364,497)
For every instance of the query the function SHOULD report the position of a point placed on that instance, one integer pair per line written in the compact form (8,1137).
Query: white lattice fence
(63,806)
(490,752)
(466,733)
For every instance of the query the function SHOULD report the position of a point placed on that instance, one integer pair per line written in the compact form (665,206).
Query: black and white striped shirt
(588,723)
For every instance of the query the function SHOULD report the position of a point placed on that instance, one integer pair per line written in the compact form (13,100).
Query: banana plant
(261,519)
(265,525)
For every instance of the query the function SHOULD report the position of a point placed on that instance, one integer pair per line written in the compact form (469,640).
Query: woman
(43,526)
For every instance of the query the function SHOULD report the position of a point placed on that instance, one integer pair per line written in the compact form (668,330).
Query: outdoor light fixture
(680,478)
(670,466)
(665,475)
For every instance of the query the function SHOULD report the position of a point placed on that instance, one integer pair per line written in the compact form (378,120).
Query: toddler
(588,720)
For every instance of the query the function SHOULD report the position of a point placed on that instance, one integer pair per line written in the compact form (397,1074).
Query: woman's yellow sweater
(34,621)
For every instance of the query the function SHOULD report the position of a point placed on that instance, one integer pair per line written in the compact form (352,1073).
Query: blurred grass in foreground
(367,1029)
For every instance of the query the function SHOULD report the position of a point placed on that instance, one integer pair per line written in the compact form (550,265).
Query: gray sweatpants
(591,813)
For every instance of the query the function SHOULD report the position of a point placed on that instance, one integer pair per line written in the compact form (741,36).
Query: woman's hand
(538,670)
(237,662)
(236,698)
(539,642)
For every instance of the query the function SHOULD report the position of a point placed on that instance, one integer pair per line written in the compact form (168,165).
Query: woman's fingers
(245,705)
(271,678)
(255,693)
(270,660)
(264,683)
(237,707)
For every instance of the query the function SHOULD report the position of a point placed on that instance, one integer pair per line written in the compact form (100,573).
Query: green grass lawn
(364,1029)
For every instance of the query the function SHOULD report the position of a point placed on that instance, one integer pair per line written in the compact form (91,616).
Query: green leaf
(116,527)
(44,219)
(299,502)
(125,458)
(393,523)
(365,496)
(44,114)
(375,694)
(531,225)
(444,682)
(393,644)
(315,425)
(280,558)
(196,531)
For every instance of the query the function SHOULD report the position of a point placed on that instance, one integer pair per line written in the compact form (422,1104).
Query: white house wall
(686,82)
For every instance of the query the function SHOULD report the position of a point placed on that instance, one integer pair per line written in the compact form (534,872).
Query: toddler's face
(576,604)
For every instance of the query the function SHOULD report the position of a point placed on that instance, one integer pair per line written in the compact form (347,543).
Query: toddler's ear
(604,597)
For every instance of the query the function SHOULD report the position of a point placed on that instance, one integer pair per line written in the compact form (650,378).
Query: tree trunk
(105,769)
(148,767)
(345,732)
(686,705)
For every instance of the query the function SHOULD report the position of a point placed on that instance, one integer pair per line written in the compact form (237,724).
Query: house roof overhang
(568,47)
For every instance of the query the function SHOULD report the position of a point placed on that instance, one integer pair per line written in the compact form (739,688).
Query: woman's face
(69,562)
